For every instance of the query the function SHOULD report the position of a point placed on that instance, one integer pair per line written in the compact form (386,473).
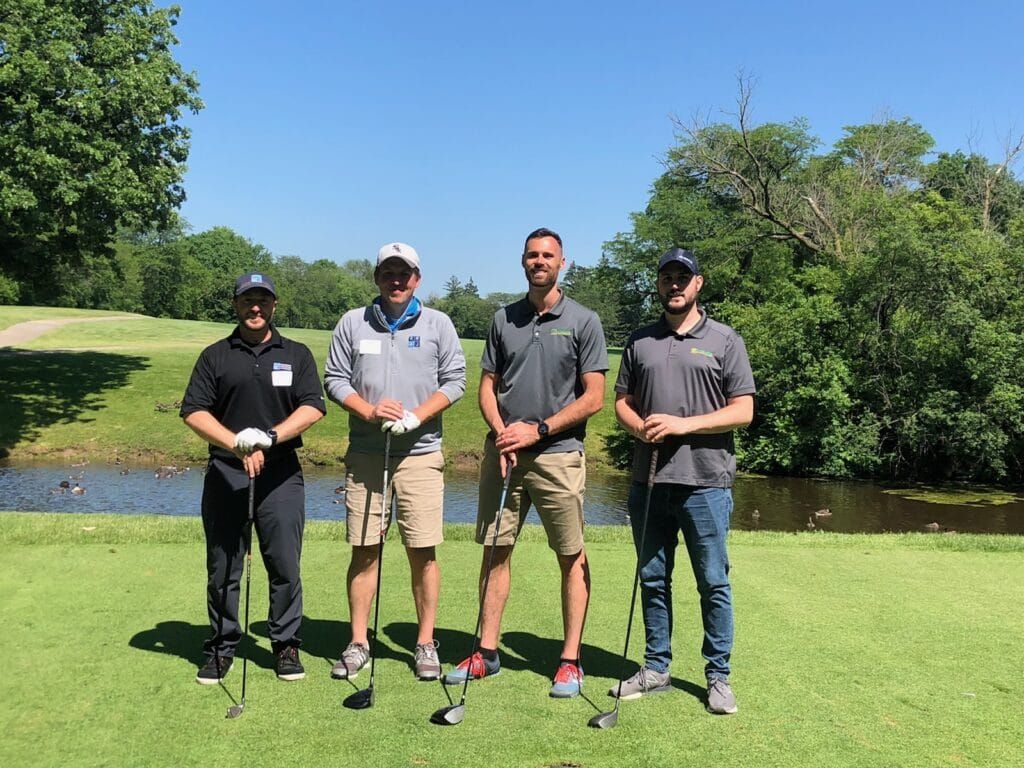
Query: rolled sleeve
(338,370)
(493,360)
(593,351)
(309,391)
(201,392)
(737,377)
(624,383)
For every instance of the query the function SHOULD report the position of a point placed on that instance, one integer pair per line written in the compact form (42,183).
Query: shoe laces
(354,653)
(474,665)
(568,673)
(426,651)
(289,653)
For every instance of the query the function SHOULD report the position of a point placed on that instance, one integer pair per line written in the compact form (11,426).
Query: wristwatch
(543,429)
(273,436)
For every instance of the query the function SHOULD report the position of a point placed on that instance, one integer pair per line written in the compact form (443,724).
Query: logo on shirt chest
(699,351)
(414,342)
(561,331)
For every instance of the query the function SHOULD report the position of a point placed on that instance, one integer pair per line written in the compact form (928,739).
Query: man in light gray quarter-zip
(394,365)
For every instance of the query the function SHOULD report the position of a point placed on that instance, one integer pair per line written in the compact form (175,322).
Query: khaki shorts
(417,488)
(552,482)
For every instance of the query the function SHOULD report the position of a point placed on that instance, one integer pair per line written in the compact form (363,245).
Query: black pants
(279,517)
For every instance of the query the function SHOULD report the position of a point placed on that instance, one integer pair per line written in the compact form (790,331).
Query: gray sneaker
(353,658)
(428,666)
(645,681)
(721,700)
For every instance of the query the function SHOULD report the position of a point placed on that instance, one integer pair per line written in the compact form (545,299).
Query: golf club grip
(653,468)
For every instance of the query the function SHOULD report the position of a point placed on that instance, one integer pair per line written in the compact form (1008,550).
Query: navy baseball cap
(679,256)
(252,280)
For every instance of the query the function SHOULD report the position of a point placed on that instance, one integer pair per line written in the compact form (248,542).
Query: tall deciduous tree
(90,98)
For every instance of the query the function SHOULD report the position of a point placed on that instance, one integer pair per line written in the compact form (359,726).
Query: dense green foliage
(90,95)
(880,293)
(471,314)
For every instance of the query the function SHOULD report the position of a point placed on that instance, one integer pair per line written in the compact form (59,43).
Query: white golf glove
(251,439)
(407,423)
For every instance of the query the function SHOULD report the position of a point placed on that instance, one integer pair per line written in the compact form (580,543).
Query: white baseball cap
(399,251)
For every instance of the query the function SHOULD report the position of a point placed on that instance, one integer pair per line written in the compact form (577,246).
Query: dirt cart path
(23,332)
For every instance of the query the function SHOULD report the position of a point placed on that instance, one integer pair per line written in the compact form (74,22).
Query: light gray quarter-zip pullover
(420,357)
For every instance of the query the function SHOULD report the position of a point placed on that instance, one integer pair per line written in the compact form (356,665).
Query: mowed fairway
(851,651)
(91,390)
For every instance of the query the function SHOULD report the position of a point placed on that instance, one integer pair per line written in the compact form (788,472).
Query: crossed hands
(658,426)
(394,418)
(249,446)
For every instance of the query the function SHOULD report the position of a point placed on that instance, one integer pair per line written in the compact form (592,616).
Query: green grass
(851,651)
(90,390)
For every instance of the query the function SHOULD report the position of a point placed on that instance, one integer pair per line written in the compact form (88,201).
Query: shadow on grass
(179,638)
(45,388)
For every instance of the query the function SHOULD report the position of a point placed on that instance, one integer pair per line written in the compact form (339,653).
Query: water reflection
(782,504)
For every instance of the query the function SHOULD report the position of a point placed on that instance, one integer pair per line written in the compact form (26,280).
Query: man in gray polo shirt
(684,385)
(394,366)
(544,365)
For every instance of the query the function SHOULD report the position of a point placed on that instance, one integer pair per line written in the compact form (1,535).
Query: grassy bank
(851,651)
(92,390)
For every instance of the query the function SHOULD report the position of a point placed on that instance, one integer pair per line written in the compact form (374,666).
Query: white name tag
(281,378)
(369,346)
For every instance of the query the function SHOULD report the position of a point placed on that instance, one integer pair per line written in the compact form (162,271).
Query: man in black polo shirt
(250,397)
(684,385)
(543,376)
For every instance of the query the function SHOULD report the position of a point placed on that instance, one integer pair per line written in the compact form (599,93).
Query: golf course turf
(855,650)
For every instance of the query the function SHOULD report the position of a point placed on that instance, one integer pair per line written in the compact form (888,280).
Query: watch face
(542,429)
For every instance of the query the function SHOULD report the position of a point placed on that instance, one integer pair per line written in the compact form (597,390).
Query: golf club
(610,719)
(364,699)
(454,713)
(237,709)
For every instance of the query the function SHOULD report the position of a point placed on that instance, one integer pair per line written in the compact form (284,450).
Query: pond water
(774,503)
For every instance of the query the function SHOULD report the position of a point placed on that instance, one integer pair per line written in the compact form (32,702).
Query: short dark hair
(542,232)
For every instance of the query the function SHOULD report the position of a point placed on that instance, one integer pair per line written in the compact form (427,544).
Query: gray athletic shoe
(353,658)
(645,681)
(721,700)
(428,666)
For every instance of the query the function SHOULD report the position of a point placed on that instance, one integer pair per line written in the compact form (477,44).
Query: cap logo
(256,279)
(397,247)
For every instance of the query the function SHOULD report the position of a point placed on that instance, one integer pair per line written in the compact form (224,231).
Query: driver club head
(359,700)
(235,711)
(603,720)
(452,715)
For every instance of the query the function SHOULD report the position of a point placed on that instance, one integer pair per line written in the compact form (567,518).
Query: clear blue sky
(331,128)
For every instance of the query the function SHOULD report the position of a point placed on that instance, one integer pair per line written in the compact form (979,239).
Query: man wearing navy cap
(684,385)
(250,397)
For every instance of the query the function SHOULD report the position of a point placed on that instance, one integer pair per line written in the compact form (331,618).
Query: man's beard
(679,310)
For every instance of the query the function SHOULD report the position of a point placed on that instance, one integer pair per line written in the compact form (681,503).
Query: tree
(90,96)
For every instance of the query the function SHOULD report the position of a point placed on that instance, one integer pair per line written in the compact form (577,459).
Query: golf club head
(452,715)
(359,700)
(235,711)
(604,720)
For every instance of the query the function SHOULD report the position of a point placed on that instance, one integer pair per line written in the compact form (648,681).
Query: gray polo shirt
(687,375)
(541,360)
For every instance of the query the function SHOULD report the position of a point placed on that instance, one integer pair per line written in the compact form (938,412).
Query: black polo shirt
(260,386)
(686,375)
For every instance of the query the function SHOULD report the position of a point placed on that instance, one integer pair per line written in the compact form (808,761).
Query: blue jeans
(702,514)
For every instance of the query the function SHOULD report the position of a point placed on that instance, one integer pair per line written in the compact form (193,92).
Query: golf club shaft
(487,578)
(384,513)
(248,577)
(636,576)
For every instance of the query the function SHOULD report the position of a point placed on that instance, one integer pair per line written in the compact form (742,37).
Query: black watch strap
(273,436)
(543,429)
